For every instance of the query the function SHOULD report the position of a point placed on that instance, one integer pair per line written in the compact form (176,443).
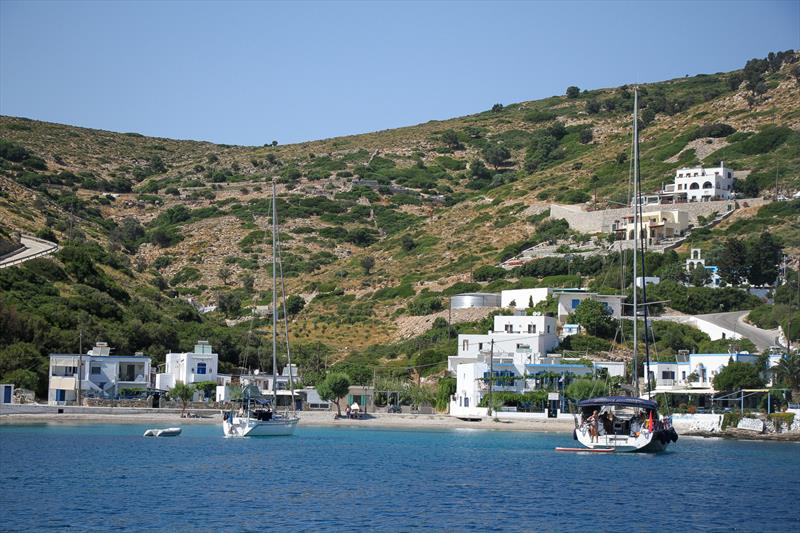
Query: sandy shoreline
(308,418)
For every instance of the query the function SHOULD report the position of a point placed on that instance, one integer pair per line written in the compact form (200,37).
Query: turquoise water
(110,478)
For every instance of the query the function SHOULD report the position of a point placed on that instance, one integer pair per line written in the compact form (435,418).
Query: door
(60,395)
(7,394)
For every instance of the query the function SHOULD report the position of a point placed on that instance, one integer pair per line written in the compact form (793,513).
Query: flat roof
(100,356)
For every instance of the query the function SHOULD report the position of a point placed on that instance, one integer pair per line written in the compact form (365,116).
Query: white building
(201,364)
(700,184)
(267,382)
(523,298)
(96,374)
(696,260)
(570,299)
(6,392)
(516,351)
(197,366)
(694,373)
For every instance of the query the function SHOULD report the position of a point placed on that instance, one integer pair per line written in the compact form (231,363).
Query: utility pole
(491,376)
(80,363)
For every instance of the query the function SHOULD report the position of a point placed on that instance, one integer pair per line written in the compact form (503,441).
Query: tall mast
(274,301)
(636,236)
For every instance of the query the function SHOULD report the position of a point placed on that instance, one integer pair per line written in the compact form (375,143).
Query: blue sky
(250,72)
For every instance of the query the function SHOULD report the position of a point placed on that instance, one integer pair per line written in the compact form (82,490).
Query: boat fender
(673,435)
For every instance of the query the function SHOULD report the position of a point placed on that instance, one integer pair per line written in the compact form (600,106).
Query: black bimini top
(620,401)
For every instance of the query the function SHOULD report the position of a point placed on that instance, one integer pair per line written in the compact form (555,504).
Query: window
(509,328)
(575,303)
(694,186)
(466,402)
(707,185)
(201,368)
(96,370)
(548,329)
(480,346)
(531,328)
(683,375)
(465,345)
(667,374)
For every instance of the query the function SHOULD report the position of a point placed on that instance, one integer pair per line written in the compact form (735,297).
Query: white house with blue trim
(694,373)
(201,364)
(514,357)
(96,374)
(570,299)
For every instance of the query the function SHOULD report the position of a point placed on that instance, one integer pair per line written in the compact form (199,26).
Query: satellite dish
(256,371)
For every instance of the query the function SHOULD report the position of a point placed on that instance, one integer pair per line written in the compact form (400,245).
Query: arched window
(694,186)
(707,185)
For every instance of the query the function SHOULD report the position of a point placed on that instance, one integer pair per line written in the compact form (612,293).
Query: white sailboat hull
(251,427)
(646,441)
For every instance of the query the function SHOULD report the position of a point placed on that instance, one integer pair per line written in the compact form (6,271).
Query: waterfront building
(693,373)
(199,365)
(266,383)
(514,357)
(6,392)
(96,374)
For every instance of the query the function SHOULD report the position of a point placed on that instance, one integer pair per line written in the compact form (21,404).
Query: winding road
(33,248)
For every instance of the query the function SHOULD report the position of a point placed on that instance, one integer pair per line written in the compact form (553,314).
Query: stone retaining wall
(601,221)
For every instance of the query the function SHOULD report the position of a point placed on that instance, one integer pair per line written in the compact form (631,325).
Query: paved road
(734,321)
(33,248)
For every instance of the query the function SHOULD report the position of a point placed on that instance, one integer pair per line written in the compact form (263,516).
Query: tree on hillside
(224,274)
(592,106)
(183,393)
(229,303)
(497,108)
(732,262)
(367,264)
(334,387)
(294,304)
(586,136)
(450,139)
(478,170)
(573,91)
(738,375)
(764,258)
(595,318)
(248,282)
(495,154)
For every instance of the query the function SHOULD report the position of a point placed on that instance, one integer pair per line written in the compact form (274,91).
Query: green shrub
(536,116)
(712,130)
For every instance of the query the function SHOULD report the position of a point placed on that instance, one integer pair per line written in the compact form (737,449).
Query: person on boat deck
(592,420)
(609,422)
(636,425)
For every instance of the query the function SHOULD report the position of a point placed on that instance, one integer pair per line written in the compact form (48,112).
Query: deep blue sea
(110,478)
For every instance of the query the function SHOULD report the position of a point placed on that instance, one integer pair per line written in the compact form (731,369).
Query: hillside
(428,205)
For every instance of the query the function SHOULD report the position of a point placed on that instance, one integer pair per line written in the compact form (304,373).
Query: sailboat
(258,416)
(623,423)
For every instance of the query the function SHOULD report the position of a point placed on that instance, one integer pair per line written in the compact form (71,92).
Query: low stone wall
(685,423)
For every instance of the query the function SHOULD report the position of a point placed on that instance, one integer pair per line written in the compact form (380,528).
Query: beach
(172,417)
